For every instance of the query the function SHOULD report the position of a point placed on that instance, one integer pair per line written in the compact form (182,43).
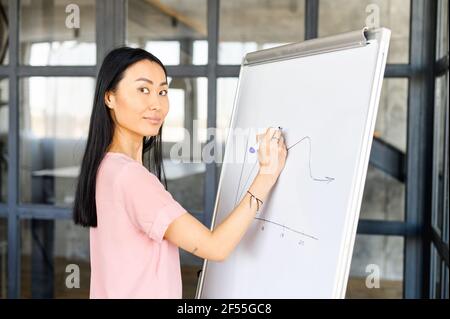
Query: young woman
(136,225)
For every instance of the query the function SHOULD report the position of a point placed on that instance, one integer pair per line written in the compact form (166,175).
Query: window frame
(410,168)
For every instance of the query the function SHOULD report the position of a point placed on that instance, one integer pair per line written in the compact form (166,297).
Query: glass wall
(439,269)
(383,197)
(174,31)
(251,25)
(54,111)
(54,123)
(391,125)
(55,259)
(336,16)
(57,32)
(184,133)
(376,270)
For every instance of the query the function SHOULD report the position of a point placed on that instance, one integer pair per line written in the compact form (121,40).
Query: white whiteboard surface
(300,244)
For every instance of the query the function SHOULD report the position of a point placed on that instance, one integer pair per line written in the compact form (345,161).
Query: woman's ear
(109,100)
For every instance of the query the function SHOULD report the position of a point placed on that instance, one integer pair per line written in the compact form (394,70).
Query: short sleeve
(150,206)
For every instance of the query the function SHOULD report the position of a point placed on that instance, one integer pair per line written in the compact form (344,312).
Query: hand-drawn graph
(242,187)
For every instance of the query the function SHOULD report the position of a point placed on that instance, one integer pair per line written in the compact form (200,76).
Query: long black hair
(101,131)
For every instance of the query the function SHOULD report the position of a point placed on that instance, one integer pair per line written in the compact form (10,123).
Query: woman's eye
(164,92)
(144,90)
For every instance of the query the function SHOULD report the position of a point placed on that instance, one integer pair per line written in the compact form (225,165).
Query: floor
(188,273)
(356,286)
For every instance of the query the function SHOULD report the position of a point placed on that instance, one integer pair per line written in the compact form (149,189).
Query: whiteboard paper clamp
(311,47)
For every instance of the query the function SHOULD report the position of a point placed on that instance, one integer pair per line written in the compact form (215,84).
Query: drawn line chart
(239,191)
(325,179)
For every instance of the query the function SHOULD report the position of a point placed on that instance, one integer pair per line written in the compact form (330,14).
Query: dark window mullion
(311,19)
(398,71)
(442,66)
(14,266)
(388,159)
(419,147)
(440,246)
(210,184)
(52,71)
(385,228)
(110,26)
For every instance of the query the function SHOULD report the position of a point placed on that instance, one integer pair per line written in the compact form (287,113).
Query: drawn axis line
(286,227)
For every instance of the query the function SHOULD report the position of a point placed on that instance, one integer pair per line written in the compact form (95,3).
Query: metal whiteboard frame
(338,42)
(382,36)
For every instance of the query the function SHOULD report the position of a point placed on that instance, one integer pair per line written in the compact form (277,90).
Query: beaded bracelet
(258,201)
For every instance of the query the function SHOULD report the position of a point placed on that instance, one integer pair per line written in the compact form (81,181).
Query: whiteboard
(324,93)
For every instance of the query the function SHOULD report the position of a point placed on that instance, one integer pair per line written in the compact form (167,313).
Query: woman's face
(140,103)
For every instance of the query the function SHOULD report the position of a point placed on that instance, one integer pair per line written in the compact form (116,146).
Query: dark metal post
(311,19)
(13,155)
(210,187)
(420,147)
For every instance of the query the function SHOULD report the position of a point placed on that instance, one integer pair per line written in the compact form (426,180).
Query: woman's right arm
(189,234)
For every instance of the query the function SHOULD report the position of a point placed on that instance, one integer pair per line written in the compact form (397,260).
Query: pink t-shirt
(129,256)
